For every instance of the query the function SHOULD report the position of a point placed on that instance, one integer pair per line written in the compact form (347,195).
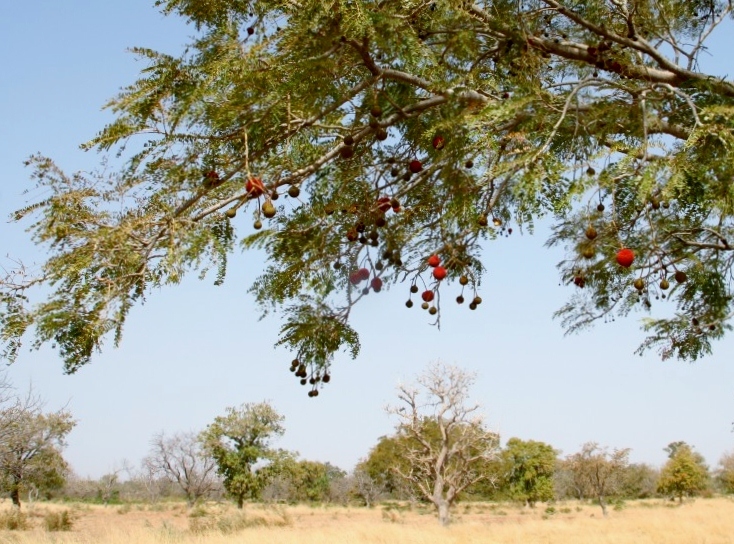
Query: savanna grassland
(709,521)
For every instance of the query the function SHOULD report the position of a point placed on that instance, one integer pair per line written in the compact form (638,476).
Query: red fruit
(439,273)
(625,257)
(427,296)
(376,284)
(255,187)
(359,276)
(212,175)
(434,260)
(415,166)
(438,142)
(383,203)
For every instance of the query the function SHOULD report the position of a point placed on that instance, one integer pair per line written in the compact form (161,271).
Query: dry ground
(704,521)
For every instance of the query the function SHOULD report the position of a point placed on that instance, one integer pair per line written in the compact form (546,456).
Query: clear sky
(194,349)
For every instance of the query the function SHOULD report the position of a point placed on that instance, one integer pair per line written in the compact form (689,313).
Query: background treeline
(234,458)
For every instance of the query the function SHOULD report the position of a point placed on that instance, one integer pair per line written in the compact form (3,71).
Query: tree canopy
(238,441)
(360,138)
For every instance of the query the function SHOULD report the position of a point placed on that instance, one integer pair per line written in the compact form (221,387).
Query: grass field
(704,521)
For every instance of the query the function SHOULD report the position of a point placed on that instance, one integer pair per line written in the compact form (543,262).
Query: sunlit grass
(709,521)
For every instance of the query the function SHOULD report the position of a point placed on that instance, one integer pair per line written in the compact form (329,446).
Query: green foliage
(30,451)
(383,462)
(639,481)
(529,467)
(685,473)
(545,108)
(239,440)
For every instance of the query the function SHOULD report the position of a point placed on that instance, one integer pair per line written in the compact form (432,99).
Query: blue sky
(194,349)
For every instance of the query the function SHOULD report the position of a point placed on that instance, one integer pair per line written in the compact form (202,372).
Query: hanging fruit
(415,166)
(625,257)
(255,187)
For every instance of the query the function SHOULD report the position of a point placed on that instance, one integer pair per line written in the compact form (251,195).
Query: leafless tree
(449,446)
(598,471)
(366,488)
(181,459)
(108,484)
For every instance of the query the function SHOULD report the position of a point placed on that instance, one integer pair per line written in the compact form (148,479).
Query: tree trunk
(603,506)
(240,502)
(15,496)
(443,512)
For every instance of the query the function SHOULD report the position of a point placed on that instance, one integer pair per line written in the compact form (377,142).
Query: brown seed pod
(591,233)
(268,209)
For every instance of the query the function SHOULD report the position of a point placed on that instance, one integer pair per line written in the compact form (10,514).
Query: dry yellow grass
(705,521)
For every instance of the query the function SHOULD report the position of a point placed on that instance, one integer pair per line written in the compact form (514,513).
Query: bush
(58,521)
(14,520)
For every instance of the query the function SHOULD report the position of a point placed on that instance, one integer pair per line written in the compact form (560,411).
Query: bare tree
(449,446)
(181,459)
(108,485)
(151,479)
(366,487)
(598,471)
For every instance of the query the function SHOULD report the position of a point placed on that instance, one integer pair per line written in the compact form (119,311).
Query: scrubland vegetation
(639,522)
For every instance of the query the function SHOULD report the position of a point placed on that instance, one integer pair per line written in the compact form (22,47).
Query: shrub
(58,521)
(14,520)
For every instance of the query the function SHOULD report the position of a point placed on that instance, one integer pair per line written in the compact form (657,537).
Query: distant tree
(383,465)
(639,481)
(108,487)
(448,442)
(529,467)
(725,472)
(31,441)
(287,478)
(598,472)
(239,440)
(366,487)
(182,459)
(685,473)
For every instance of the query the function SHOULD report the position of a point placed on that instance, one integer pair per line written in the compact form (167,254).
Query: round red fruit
(354,278)
(415,166)
(625,257)
(438,142)
(383,203)
(363,274)
(427,296)
(376,284)
(255,187)
(434,260)
(439,273)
